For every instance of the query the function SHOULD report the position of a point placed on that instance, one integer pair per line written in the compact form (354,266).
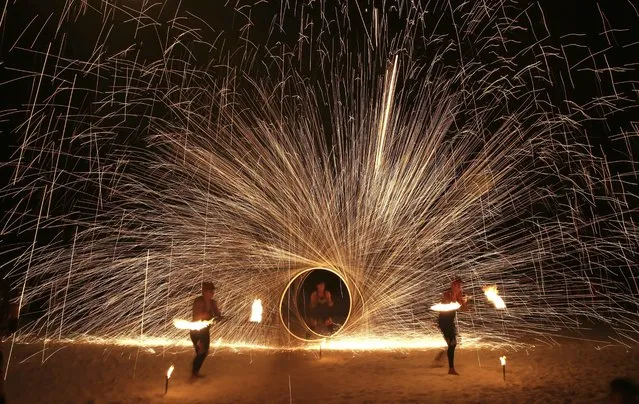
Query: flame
(384,344)
(170,372)
(191,325)
(353,343)
(446,306)
(502,359)
(492,294)
(256,311)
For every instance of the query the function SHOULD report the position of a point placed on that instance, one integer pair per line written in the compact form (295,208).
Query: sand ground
(574,372)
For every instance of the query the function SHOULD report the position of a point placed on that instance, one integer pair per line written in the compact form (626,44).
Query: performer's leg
(201,344)
(451,341)
(452,344)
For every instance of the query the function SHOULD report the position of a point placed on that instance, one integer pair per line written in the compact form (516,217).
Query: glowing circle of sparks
(298,276)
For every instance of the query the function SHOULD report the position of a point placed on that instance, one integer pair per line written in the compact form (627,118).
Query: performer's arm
(329,298)
(464,302)
(216,311)
(313,300)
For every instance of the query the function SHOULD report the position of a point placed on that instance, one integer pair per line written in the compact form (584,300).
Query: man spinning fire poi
(446,321)
(321,307)
(204,309)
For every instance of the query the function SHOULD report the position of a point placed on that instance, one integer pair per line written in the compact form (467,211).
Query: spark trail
(400,145)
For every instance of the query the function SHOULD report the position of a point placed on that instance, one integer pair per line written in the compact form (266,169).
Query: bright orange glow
(355,343)
(502,359)
(170,372)
(446,306)
(371,342)
(191,325)
(492,294)
(385,344)
(256,311)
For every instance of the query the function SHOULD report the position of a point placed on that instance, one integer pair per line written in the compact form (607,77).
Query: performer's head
(208,290)
(320,287)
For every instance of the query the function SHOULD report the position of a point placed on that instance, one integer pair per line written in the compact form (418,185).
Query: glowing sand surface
(81,373)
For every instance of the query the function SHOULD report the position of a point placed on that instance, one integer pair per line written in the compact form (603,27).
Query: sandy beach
(573,372)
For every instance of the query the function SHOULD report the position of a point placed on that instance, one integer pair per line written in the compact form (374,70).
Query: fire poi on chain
(492,294)
(191,325)
(446,306)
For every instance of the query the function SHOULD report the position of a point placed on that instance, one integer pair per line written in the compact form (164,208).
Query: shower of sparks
(492,294)
(157,145)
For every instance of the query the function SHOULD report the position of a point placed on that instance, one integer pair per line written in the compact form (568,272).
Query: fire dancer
(8,325)
(204,308)
(446,322)
(321,305)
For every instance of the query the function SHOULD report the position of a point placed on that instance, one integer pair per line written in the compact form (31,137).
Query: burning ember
(492,294)
(170,372)
(446,306)
(191,325)
(256,311)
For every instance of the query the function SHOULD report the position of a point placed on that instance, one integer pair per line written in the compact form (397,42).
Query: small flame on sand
(446,306)
(502,359)
(492,294)
(256,311)
(170,372)
(191,325)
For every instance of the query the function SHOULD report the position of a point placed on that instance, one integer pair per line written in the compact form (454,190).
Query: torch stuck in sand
(502,359)
(168,376)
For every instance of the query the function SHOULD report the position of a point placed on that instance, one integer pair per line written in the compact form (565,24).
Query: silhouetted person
(8,325)
(446,321)
(204,308)
(321,307)
(624,391)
